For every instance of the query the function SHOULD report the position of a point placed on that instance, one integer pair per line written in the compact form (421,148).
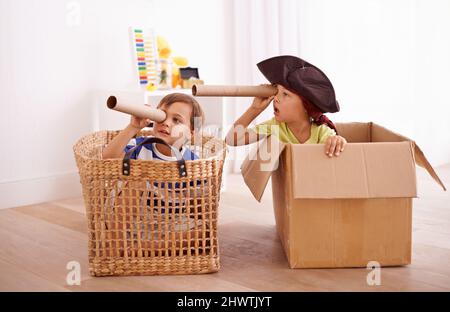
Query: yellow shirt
(319,134)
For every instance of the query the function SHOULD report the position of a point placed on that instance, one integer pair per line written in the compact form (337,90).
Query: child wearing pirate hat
(304,94)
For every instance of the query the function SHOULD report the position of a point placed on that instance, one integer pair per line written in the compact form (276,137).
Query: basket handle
(126,164)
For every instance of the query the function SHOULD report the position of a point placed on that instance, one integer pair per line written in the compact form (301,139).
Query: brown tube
(140,111)
(252,91)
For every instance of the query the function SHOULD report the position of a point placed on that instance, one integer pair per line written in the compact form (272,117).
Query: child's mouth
(164,132)
(276,111)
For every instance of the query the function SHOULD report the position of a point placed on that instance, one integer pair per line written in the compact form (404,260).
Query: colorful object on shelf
(151,86)
(169,78)
(189,76)
(188,72)
(144,49)
(156,68)
(165,70)
(178,61)
(164,49)
(165,73)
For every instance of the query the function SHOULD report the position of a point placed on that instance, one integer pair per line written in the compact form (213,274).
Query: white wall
(389,62)
(51,64)
(194,29)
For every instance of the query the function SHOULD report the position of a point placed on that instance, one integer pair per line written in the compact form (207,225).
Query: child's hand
(335,145)
(260,104)
(139,123)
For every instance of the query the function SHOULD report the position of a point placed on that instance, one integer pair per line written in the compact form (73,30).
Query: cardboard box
(343,211)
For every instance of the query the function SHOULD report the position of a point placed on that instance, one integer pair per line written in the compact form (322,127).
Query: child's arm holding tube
(239,134)
(115,149)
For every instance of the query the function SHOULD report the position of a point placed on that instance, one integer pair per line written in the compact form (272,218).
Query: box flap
(355,132)
(363,170)
(381,134)
(260,163)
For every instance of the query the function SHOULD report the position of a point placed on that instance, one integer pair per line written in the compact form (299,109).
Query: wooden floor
(38,241)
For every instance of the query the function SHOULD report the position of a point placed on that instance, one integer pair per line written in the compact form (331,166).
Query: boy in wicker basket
(181,124)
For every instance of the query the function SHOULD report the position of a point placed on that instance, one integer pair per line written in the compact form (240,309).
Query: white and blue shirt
(150,151)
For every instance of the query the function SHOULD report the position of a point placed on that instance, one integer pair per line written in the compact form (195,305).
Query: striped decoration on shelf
(145,54)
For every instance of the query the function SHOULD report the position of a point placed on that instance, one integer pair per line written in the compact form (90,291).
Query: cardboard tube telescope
(140,111)
(251,91)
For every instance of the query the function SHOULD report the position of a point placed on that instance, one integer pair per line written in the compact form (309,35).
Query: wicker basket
(153,220)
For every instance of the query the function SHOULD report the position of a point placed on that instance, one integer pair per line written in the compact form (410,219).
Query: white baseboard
(39,190)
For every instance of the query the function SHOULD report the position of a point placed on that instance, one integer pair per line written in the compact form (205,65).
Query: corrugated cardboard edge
(423,162)
(255,178)
(419,156)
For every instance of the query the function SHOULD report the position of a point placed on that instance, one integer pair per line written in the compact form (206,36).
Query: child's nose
(166,123)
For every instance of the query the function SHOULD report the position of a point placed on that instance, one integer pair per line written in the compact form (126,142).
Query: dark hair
(185,98)
(314,112)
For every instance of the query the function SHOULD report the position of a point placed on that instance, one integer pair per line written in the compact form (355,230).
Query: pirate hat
(303,78)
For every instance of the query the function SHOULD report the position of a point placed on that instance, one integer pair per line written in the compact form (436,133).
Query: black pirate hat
(303,78)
